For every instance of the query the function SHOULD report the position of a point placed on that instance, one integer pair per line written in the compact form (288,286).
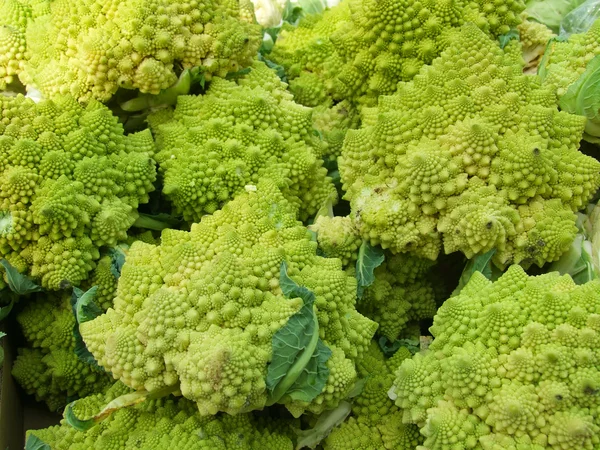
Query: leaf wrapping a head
(298,367)
(17,282)
(369,258)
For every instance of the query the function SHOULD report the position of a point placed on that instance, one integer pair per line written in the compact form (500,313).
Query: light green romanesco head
(202,309)
(471,155)
(48,367)
(237,133)
(70,183)
(90,48)
(361,49)
(513,365)
(165,424)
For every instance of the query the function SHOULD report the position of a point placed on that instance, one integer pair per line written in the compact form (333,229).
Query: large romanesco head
(206,310)
(70,183)
(90,48)
(49,367)
(234,135)
(472,155)
(360,49)
(168,423)
(513,365)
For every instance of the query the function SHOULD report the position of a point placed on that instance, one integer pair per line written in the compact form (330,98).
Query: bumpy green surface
(165,424)
(400,296)
(375,422)
(472,155)
(70,182)
(360,49)
(565,61)
(48,367)
(15,15)
(237,133)
(513,365)
(201,309)
(90,48)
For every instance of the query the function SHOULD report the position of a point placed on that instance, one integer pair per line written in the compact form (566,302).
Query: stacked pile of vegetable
(209,243)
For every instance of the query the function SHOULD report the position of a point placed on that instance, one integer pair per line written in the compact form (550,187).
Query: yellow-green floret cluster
(401,295)
(513,365)
(90,48)
(15,15)
(471,155)
(168,423)
(48,367)
(361,49)
(70,183)
(565,60)
(375,422)
(237,133)
(200,311)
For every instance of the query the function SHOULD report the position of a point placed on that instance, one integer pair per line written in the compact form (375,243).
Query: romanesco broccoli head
(70,183)
(49,367)
(513,365)
(206,309)
(472,155)
(89,49)
(361,49)
(234,135)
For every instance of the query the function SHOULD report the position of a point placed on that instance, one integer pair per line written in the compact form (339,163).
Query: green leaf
(389,348)
(506,38)
(117,259)
(156,222)
(326,422)
(298,366)
(84,310)
(35,443)
(480,263)
(239,74)
(121,402)
(369,258)
(583,97)
(5,310)
(17,282)
(550,12)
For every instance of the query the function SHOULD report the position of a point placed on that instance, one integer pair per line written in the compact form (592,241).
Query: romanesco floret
(565,60)
(70,183)
(167,423)
(202,308)
(234,135)
(534,37)
(49,367)
(571,68)
(512,366)
(375,423)
(337,238)
(89,49)
(401,294)
(15,15)
(471,154)
(360,49)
